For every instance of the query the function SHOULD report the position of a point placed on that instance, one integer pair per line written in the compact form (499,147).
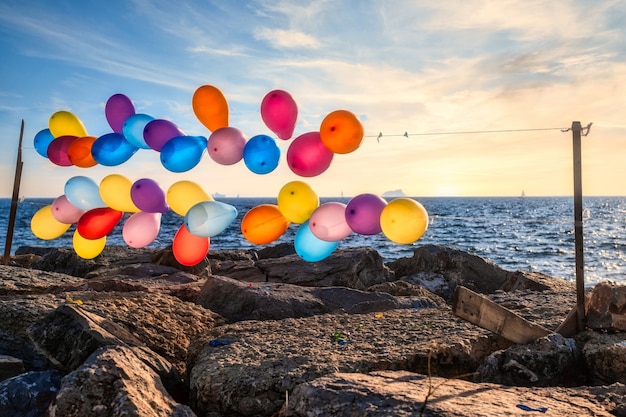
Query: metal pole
(578,228)
(14,199)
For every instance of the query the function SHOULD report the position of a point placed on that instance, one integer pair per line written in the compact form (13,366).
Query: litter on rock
(528,408)
(217,342)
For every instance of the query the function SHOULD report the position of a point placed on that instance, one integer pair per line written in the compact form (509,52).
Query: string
(465,132)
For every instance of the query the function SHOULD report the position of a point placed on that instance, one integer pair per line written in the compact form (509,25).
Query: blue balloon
(133,129)
(42,140)
(182,153)
(83,193)
(311,248)
(209,218)
(261,154)
(112,149)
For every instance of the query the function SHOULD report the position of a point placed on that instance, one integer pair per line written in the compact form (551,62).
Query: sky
(421,76)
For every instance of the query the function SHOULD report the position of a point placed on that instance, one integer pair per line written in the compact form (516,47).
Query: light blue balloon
(311,248)
(261,154)
(182,153)
(112,149)
(133,129)
(42,140)
(83,193)
(209,218)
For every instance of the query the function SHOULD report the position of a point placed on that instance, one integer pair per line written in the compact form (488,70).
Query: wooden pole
(578,228)
(14,198)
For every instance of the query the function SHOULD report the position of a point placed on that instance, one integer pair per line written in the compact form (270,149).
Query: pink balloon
(64,211)
(117,110)
(363,213)
(328,222)
(57,151)
(148,196)
(159,131)
(141,229)
(307,156)
(226,145)
(279,112)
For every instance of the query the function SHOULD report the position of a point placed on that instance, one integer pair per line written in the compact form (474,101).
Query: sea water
(517,233)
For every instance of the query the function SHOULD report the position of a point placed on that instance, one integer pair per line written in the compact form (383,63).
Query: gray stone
(10,367)
(606,307)
(605,356)
(29,394)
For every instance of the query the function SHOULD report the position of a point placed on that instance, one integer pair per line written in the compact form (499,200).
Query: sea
(516,233)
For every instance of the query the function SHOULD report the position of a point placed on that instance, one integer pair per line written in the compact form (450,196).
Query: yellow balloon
(45,226)
(86,248)
(404,220)
(65,123)
(297,201)
(183,195)
(115,192)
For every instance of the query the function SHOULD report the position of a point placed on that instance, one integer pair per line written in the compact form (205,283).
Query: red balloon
(279,112)
(99,222)
(307,156)
(57,151)
(189,249)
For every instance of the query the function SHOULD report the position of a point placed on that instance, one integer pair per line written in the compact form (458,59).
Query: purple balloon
(117,110)
(363,213)
(159,131)
(148,196)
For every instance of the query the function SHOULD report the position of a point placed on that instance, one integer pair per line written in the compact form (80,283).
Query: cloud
(281,38)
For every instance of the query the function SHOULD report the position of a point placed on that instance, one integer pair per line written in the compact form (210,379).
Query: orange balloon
(189,249)
(79,152)
(341,132)
(263,224)
(210,107)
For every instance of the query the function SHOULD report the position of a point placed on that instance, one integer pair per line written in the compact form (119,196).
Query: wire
(466,132)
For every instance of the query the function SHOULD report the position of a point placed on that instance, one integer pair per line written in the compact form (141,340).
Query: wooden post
(14,198)
(578,228)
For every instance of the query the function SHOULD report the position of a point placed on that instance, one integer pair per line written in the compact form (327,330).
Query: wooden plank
(484,313)
(569,327)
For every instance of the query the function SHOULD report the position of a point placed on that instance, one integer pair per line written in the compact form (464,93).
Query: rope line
(465,132)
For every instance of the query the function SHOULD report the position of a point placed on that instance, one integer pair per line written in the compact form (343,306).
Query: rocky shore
(263,333)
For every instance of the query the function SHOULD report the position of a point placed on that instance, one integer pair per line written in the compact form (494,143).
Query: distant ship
(218,195)
(523,194)
(394,193)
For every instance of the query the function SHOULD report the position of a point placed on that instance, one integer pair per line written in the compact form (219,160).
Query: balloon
(45,226)
(141,229)
(99,222)
(261,154)
(209,218)
(83,193)
(115,192)
(112,149)
(263,224)
(79,152)
(363,213)
(158,131)
(341,132)
(182,153)
(58,148)
(64,211)
(210,107)
(309,247)
(183,195)
(404,220)
(226,145)
(88,248)
(117,110)
(328,222)
(307,156)
(279,112)
(297,201)
(42,140)
(65,123)
(189,249)
(148,196)
(133,129)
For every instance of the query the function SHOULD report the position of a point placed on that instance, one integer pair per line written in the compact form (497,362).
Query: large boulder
(20,281)
(113,381)
(29,394)
(441,269)
(605,356)
(606,307)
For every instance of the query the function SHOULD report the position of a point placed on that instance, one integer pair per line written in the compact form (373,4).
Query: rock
(240,265)
(10,367)
(440,269)
(606,307)
(29,394)
(113,381)
(235,300)
(15,280)
(408,394)
(406,289)
(549,361)
(276,251)
(535,281)
(245,368)
(605,356)
(357,268)
(166,257)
